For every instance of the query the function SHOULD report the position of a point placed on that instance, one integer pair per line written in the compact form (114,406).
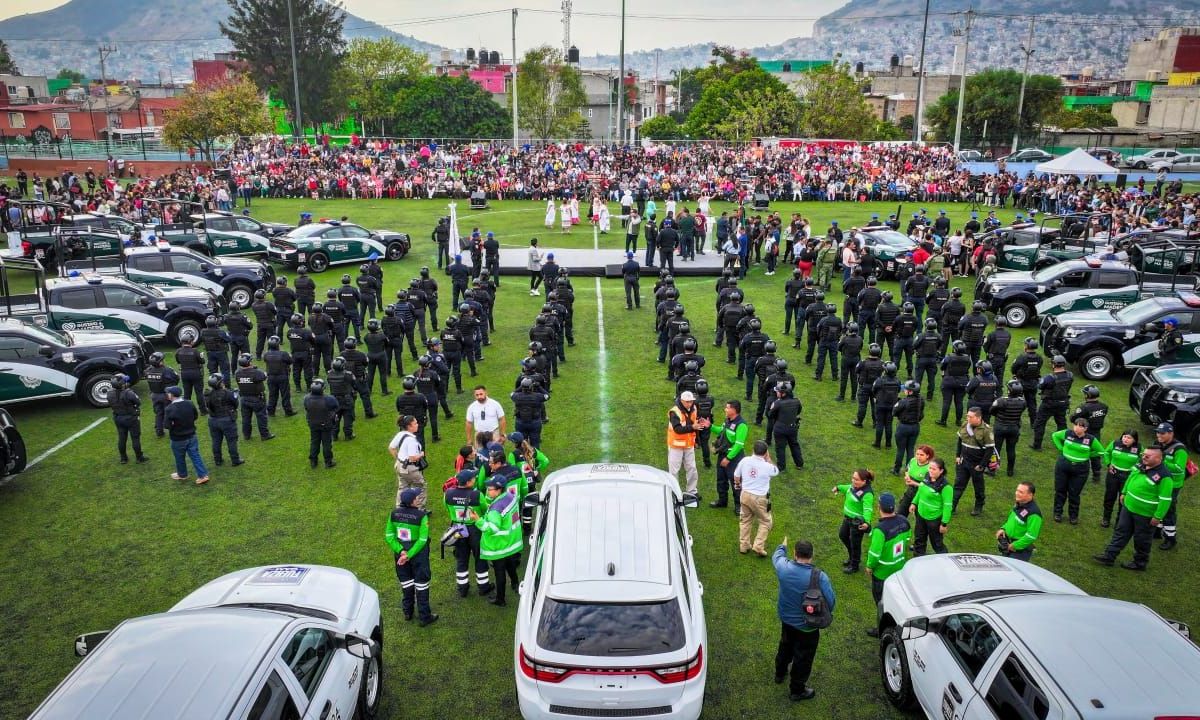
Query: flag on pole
(455,245)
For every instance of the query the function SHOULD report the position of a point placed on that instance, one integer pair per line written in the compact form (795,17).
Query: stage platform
(606,262)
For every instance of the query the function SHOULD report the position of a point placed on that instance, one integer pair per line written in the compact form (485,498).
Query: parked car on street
(1144,160)
(1028,155)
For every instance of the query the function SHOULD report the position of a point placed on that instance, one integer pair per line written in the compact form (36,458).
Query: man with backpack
(805,605)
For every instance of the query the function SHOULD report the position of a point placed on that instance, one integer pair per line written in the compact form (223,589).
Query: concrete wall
(46,167)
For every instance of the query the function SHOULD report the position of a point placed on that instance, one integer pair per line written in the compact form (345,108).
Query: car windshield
(1053,272)
(605,629)
(306,230)
(892,238)
(1138,313)
(47,336)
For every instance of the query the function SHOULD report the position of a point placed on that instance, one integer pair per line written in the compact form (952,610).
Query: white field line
(58,447)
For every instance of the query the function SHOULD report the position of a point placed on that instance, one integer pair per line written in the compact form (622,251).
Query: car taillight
(679,673)
(536,671)
(1177,717)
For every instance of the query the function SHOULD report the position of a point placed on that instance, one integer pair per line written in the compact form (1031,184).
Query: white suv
(611,619)
(281,642)
(980,637)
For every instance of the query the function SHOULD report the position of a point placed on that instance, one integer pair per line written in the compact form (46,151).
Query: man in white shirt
(406,449)
(485,415)
(752,479)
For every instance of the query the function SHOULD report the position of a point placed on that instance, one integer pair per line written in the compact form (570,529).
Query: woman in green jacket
(1121,456)
(934,505)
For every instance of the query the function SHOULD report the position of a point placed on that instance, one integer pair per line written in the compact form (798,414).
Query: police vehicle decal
(1088,300)
(134,321)
(174,279)
(279,575)
(1146,354)
(33,376)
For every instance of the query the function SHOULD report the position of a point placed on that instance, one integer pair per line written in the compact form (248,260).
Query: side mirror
(87,642)
(46,351)
(689,500)
(143,300)
(359,646)
(916,628)
(531,501)
(205,267)
(1150,327)
(1056,284)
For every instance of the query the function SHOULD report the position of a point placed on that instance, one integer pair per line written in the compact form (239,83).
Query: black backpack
(814,605)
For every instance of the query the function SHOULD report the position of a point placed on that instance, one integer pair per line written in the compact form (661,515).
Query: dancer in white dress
(550,213)
(564,209)
(605,219)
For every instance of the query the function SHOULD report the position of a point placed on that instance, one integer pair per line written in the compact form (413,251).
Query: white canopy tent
(1077,162)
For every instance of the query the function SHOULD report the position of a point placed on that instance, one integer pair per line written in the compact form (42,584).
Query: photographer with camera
(1016,539)
(805,605)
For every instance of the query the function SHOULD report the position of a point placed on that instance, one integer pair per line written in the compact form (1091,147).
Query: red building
(93,118)
(222,68)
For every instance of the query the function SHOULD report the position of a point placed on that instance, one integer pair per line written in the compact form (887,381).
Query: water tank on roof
(494,57)
(895,61)
(470,55)
(573,55)
(483,56)
(1088,72)
(445,56)
(908,61)
(859,68)
(787,67)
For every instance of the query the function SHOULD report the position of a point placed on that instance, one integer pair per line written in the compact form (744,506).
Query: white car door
(327,675)
(947,662)
(1011,689)
(278,698)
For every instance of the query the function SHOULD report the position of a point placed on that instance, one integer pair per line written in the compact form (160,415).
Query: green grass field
(89,542)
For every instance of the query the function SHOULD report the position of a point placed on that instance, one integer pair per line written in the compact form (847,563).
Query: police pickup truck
(1101,342)
(283,642)
(1169,394)
(165,265)
(1030,246)
(891,248)
(980,637)
(1017,296)
(222,221)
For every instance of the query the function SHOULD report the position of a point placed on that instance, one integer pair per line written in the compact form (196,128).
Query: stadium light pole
(621,83)
(962,84)
(298,130)
(921,77)
(514,78)
(1027,48)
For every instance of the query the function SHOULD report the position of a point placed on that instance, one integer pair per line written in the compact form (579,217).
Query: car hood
(185,293)
(232,263)
(1016,277)
(1087,317)
(99,338)
(935,580)
(330,589)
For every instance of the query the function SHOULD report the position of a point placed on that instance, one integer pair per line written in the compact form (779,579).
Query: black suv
(1170,393)
(1015,295)
(12,446)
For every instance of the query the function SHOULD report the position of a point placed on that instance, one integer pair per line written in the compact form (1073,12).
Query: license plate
(303,257)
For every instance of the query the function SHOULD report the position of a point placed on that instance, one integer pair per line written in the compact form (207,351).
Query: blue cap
(629,255)
(517,438)
(549,256)
(1164,427)
(974,215)
(246,212)
(874,216)
(887,502)
(833,222)
(409,496)
(465,476)
(494,483)
(1170,321)
(458,256)
(916,214)
(941,212)
(373,256)
(494,447)
(175,390)
(74,273)
(305,214)
(491,234)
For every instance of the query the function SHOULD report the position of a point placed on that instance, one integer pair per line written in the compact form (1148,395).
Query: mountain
(68,36)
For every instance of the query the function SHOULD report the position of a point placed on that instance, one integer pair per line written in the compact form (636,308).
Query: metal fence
(15,148)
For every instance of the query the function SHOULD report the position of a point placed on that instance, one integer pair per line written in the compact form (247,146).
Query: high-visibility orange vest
(681,441)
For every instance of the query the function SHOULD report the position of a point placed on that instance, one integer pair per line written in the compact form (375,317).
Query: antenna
(566,23)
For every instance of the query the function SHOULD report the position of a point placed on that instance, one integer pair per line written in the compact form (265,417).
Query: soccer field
(88,542)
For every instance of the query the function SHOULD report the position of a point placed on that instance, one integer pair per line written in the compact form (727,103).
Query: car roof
(332,592)
(611,535)
(940,580)
(191,664)
(1094,665)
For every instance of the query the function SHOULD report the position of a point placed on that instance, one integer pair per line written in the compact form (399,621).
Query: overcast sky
(756,22)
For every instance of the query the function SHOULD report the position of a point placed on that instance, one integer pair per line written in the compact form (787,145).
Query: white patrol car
(611,616)
(980,637)
(281,642)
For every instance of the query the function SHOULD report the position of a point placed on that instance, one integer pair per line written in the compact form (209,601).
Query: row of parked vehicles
(611,624)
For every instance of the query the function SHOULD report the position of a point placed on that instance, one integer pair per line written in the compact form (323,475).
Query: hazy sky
(756,22)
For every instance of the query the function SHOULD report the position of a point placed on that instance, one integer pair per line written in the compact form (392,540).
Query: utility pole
(566,23)
(1027,48)
(962,83)
(514,78)
(298,129)
(621,83)
(921,77)
(105,51)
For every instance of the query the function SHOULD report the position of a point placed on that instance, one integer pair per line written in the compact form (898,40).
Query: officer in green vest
(934,504)
(888,550)
(1077,446)
(1121,456)
(1145,499)
(1020,532)
(501,541)
(460,500)
(407,534)
(1175,459)
(858,511)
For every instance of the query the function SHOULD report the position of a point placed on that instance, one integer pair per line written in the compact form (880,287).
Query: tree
(8,66)
(373,71)
(440,106)
(992,98)
(748,102)
(550,94)
(73,75)
(834,106)
(885,130)
(767,113)
(725,63)
(206,113)
(661,127)
(258,30)
(1087,116)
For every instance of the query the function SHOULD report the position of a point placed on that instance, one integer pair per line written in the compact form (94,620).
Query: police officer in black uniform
(687,380)
(631,272)
(238,326)
(928,347)
(885,320)
(469,323)
(191,370)
(850,348)
(868,302)
(438,362)
(866,372)
(441,235)
(783,417)
(751,347)
(995,347)
(1028,369)
(1055,389)
(306,291)
(350,299)
(393,333)
(323,332)
(429,385)
(302,343)
(1096,413)
(453,347)
(337,315)
(127,416)
(377,359)
(956,372)
(251,385)
(804,300)
(221,405)
(884,391)
(905,328)
(410,402)
(460,279)
(791,302)
(341,387)
(264,320)
(429,286)
(1006,429)
(320,410)
(983,389)
(216,345)
(828,332)
(766,389)
(159,377)
(851,288)
(491,256)
(285,304)
(952,314)
(356,366)
(937,298)
(728,318)
(915,290)
(973,329)
(368,292)
(279,364)
(416,300)
(909,411)
(407,318)
(529,406)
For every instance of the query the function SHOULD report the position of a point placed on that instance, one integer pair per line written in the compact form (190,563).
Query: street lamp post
(298,130)
(1027,48)
(962,85)
(621,83)
(921,78)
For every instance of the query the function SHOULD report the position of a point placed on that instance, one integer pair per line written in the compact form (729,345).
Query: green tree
(442,106)
(8,66)
(992,97)
(834,106)
(373,71)
(258,30)
(207,113)
(73,75)
(549,93)
(885,130)
(661,127)
(1086,116)
(743,103)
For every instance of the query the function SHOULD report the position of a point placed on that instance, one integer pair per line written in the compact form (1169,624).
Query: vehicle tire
(1017,314)
(396,250)
(96,387)
(241,294)
(893,670)
(1097,364)
(318,262)
(185,329)
(370,691)
(268,277)
(1140,165)
(16,451)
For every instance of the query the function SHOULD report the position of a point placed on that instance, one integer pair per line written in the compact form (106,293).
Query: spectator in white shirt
(485,415)
(752,479)
(406,449)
